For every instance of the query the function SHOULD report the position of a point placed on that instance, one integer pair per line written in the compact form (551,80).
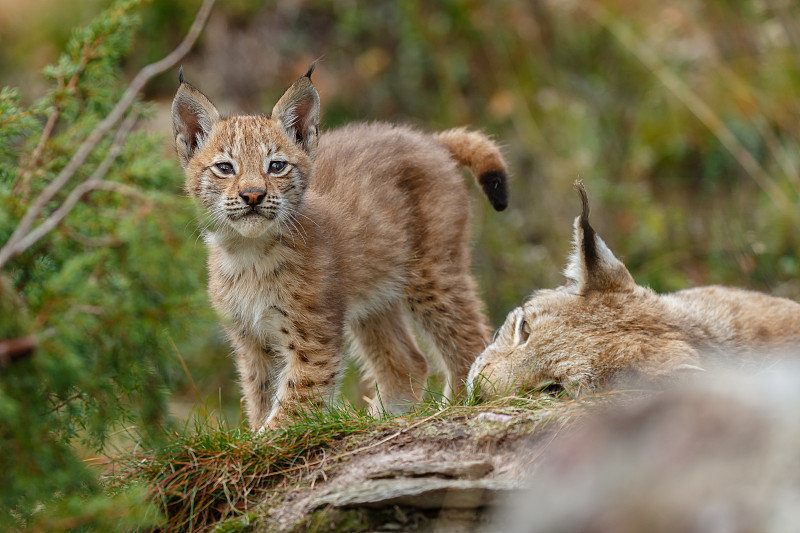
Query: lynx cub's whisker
(352,234)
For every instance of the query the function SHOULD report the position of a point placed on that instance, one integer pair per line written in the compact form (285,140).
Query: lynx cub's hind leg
(385,346)
(449,312)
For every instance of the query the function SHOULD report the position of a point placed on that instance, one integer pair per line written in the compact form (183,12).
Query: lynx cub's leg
(311,367)
(258,369)
(390,358)
(449,311)
(303,385)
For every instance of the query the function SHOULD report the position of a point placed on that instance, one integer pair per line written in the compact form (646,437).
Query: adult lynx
(317,239)
(601,327)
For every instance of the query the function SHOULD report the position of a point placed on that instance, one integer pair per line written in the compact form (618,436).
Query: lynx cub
(600,326)
(345,236)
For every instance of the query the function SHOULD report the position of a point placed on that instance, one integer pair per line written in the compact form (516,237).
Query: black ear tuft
(494,185)
(589,243)
(311,69)
(180,75)
(581,190)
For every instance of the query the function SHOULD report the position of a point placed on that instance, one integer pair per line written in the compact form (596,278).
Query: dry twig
(23,181)
(92,183)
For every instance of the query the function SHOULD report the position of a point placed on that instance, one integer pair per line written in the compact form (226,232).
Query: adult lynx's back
(346,235)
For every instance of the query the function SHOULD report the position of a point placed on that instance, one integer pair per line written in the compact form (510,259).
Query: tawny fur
(364,230)
(601,328)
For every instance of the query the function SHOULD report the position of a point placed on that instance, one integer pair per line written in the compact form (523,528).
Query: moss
(245,523)
(330,520)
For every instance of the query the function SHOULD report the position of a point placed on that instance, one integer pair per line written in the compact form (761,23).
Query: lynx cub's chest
(247,282)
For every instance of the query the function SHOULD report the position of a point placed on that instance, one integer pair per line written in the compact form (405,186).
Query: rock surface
(419,493)
(446,469)
(443,476)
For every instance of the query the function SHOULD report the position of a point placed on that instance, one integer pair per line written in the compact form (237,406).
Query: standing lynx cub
(319,239)
(601,327)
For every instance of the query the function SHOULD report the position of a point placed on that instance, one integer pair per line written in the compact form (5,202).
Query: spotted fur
(315,241)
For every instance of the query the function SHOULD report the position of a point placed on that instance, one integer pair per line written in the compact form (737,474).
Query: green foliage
(15,123)
(82,512)
(106,291)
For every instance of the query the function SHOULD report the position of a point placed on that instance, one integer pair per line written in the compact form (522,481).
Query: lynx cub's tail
(475,150)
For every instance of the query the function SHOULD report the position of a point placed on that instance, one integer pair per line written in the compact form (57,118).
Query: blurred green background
(654,105)
(682,119)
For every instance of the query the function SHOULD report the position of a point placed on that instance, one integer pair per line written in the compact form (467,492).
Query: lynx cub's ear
(298,113)
(193,117)
(592,266)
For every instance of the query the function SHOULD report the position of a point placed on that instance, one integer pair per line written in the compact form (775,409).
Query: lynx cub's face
(250,172)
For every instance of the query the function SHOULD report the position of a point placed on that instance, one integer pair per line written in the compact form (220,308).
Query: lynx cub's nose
(253,196)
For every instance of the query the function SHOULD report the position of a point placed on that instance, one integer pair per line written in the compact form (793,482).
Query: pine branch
(13,247)
(64,402)
(93,182)
(22,186)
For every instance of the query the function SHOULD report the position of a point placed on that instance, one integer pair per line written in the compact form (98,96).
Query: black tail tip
(494,184)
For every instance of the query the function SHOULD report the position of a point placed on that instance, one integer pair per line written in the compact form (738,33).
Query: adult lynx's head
(250,172)
(597,328)
(601,329)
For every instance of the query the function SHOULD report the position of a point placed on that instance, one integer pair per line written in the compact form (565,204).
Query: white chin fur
(251,227)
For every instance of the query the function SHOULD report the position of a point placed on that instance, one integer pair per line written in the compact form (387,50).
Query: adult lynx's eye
(275,167)
(524,331)
(224,168)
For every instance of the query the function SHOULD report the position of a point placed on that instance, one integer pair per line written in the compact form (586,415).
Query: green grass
(212,472)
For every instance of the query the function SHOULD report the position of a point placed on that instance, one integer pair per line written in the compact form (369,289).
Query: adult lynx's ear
(193,117)
(592,266)
(298,113)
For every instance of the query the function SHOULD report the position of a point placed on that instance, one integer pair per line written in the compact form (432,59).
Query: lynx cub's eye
(224,168)
(275,167)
